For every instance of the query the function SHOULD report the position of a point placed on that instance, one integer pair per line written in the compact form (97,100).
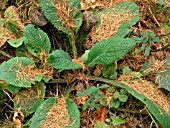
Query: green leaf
(16,42)
(125,28)
(123,98)
(147,51)
(19,71)
(88,91)
(36,41)
(101,125)
(126,70)
(43,110)
(112,89)
(92,104)
(58,17)
(103,86)
(12,26)
(116,95)
(13,89)
(107,51)
(109,71)
(103,101)
(85,106)
(116,121)
(2,22)
(73,113)
(116,20)
(84,57)
(30,99)
(41,113)
(123,91)
(115,104)
(21,51)
(11,12)
(60,60)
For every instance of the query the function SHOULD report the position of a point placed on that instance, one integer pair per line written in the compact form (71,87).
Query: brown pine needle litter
(148,90)
(57,117)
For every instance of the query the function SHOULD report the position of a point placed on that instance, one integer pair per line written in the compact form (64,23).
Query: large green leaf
(60,60)
(19,71)
(51,12)
(107,51)
(41,113)
(30,99)
(116,20)
(73,113)
(129,7)
(36,40)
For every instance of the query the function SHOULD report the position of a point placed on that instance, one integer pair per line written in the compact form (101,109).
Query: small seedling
(93,92)
(147,38)
(119,98)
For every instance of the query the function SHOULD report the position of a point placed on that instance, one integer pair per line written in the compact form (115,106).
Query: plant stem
(73,43)
(106,81)
(152,117)
(5,54)
(54,81)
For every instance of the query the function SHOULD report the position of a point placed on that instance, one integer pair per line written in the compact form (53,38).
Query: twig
(8,95)
(133,111)
(5,54)
(54,81)
(106,81)
(152,118)
(154,18)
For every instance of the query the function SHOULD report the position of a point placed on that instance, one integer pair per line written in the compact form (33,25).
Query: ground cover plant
(85,64)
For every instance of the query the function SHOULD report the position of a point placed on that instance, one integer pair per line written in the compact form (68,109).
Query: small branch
(152,118)
(5,54)
(106,81)
(57,81)
(8,95)
(133,111)
(154,18)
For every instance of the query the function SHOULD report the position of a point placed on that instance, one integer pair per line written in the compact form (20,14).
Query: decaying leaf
(101,114)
